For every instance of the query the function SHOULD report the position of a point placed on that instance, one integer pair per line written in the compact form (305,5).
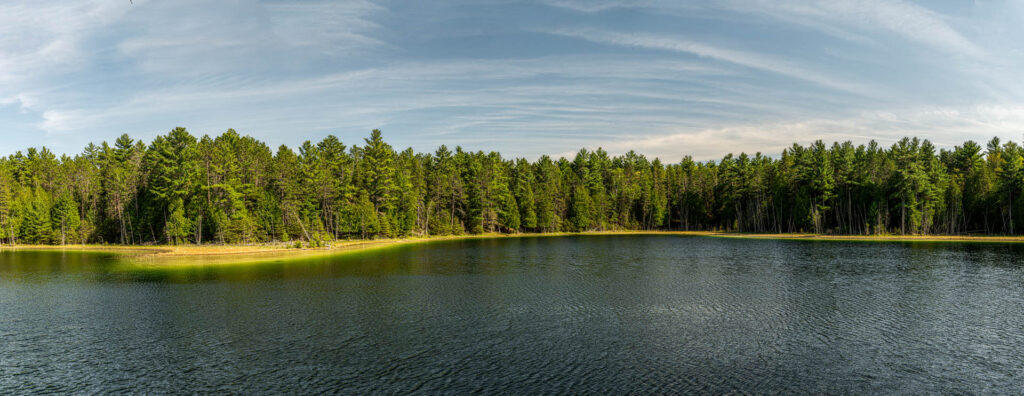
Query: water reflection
(56,264)
(586,314)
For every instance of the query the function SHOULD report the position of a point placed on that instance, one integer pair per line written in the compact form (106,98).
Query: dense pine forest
(235,189)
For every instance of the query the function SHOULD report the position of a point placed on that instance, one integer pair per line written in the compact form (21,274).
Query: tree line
(235,189)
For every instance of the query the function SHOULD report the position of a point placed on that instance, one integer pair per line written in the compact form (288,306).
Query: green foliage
(35,225)
(64,219)
(178,227)
(233,189)
(579,216)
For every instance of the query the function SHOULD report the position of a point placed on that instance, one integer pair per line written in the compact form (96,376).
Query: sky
(663,78)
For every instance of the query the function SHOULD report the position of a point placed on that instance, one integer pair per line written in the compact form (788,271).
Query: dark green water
(594,314)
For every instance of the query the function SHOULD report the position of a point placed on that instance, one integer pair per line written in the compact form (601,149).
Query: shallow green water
(600,314)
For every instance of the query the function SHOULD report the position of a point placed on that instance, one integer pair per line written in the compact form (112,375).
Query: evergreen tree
(523,186)
(64,219)
(232,189)
(172,160)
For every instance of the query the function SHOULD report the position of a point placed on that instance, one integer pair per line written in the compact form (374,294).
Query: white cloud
(747,59)
(76,65)
(834,17)
(60,121)
(372,96)
(24,101)
(945,127)
(287,71)
(224,37)
(343,25)
(624,102)
(905,19)
(37,38)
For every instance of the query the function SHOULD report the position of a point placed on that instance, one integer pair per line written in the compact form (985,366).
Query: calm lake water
(587,314)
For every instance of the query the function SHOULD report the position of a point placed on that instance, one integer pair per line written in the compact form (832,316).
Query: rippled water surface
(588,314)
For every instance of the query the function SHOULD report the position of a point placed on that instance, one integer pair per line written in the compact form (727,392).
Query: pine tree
(172,160)
(64,219)
(523,182)
(178,227)
(35,226)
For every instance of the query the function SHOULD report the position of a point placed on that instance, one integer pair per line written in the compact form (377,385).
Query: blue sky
(665,78)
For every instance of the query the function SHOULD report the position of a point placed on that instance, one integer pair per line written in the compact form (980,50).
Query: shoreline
(873,238)
(192,256)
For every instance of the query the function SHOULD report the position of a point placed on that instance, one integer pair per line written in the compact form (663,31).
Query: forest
(234,189)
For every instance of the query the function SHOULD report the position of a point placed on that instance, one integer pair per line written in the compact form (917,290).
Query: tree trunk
(903,216)
(303,226)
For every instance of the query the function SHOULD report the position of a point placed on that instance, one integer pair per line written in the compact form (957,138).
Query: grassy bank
(212,255)
(184,256)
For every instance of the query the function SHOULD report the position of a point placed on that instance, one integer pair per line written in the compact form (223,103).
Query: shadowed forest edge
(234,189)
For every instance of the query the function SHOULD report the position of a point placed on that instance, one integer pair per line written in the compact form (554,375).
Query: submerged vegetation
(234,189)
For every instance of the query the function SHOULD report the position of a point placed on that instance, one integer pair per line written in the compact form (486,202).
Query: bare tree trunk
(303,226)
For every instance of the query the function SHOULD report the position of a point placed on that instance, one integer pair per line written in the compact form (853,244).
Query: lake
(576,314)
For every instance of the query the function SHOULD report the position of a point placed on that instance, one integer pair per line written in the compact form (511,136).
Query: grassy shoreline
(167,256)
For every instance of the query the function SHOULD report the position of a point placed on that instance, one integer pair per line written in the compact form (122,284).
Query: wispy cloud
(944,126)
(226,37)
(836,17)
(747,59)
(663,77)
(37,38)
(907,20)
(73,65)
(373,96)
